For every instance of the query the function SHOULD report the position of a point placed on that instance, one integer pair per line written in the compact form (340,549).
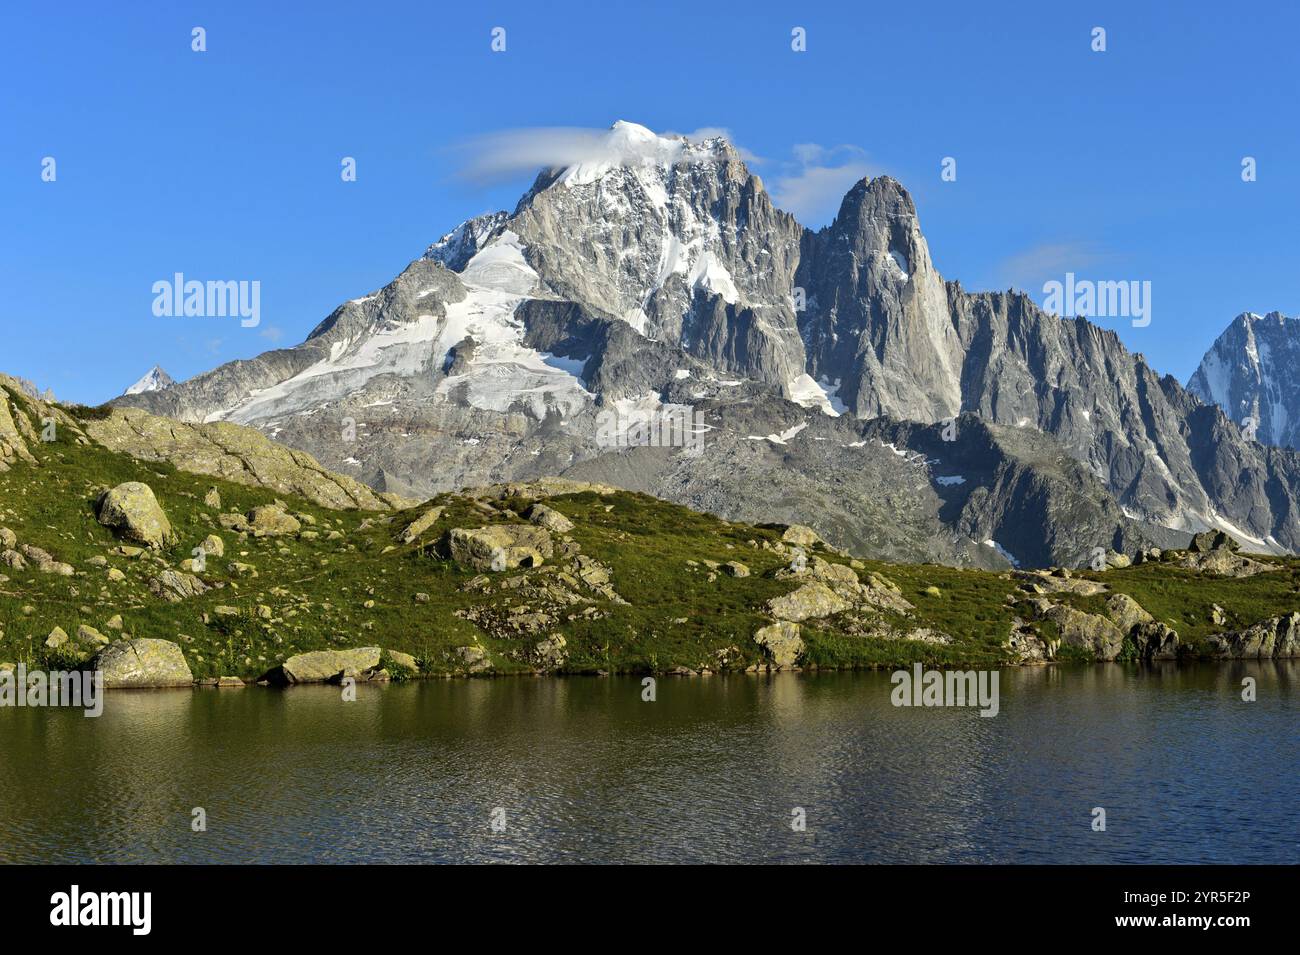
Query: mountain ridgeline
(832,378)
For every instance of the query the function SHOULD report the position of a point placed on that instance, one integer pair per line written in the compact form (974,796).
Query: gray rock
(323,666)
(133,512)
(143,662)
(781,642)
(499,546)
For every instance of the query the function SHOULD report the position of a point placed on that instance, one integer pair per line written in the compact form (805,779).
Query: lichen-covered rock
(1087,630)
(270,520)
(1276,637)
(800,536)
(133,512)
(1125,612)
(811,601)
(550,518)
(781,642)
(88,636)
(57,638)
(213,546)
(551,653)
(242,455)
(421,524)
(473,658)
(45,562)
(175,586)
(734,568)
(322,666)
(143,662)
(500,546)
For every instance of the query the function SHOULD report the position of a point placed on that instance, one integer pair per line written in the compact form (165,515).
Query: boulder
(8,539)
(213,546)
(45,562)
(143,662)
(734,568)
(322,666)
(420,525)
(1209,541)
(57,638)
(1126,613)
(800,536)
(404,660)
(499,546)
(271,520)
(175,586)
(781,642)
(133,513)
(811,601)
(1156,641)
(89,637)
(473,658)
(1090,631)
(550,518)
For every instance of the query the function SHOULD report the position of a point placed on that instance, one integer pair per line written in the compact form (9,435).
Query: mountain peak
(155,379)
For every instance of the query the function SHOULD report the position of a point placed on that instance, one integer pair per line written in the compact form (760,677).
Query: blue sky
(226,164)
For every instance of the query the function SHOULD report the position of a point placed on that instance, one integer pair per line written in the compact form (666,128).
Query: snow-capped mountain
(1249,372)
(155,379)
(656,275)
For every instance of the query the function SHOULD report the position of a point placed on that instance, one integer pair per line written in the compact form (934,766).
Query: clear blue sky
(225,164)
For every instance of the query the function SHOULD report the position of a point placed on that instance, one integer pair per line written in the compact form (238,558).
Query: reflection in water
(586,771)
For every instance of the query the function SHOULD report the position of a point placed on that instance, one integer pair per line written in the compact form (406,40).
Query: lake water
(710,772)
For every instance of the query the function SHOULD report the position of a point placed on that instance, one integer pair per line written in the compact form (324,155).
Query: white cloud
(509,153)
(1032,267)
(818,179)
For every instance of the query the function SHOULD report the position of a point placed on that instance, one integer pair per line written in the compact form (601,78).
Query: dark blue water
(584,770)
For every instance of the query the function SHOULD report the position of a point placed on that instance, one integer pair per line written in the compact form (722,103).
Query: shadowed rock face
(667,278)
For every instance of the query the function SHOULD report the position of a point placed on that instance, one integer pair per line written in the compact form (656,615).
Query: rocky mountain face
(1249,373)
(648,318)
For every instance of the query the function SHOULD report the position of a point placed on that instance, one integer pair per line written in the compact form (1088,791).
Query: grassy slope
(315,589)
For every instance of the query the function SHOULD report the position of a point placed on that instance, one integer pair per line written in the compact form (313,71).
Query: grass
(360,588)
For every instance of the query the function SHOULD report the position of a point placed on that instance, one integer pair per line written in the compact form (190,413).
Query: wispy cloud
(813,184)
(1029,269)
(509,153)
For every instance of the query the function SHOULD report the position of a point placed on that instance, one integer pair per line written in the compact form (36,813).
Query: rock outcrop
(143,662)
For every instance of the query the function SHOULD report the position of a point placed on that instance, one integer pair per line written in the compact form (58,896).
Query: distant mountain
(154,380)
(1250,372)
(658,279)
